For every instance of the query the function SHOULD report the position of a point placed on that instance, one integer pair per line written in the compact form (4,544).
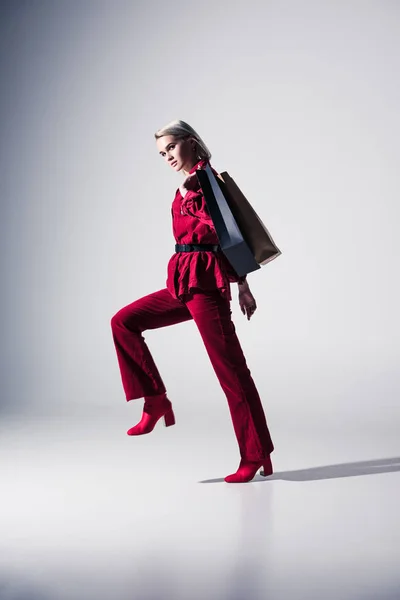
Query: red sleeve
(194,204)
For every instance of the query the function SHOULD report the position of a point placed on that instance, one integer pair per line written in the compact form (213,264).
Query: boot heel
(169,418)
(266,467)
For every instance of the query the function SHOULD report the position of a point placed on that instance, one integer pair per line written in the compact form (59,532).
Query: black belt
(196,247)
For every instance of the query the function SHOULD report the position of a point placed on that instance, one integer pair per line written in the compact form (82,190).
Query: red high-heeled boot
(154,408)
(247,470)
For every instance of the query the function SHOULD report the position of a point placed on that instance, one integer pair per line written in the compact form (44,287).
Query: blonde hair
(182,130)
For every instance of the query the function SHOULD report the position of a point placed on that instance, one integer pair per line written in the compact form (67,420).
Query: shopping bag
(231,240)
(251,226)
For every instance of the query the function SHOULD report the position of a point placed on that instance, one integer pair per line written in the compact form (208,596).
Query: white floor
(88,512)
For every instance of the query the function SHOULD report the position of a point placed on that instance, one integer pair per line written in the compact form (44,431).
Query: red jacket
(192,224)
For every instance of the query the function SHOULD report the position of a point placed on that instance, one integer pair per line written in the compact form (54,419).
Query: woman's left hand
(247,302)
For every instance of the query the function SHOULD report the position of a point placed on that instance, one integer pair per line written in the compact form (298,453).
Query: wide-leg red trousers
(212,314)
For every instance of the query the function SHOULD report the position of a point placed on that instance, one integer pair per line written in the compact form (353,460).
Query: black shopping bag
(231,240)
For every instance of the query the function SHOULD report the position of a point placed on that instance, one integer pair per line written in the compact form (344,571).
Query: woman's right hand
(189,183)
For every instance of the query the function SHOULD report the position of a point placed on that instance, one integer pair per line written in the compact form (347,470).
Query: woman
(198,288)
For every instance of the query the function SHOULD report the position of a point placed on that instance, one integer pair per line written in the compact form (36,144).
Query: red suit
(198,288)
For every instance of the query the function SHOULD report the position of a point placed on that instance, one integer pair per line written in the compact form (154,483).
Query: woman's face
(178,154)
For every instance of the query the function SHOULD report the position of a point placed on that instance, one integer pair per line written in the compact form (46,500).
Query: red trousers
(212,314)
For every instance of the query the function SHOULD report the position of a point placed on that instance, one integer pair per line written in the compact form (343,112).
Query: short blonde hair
(182,130)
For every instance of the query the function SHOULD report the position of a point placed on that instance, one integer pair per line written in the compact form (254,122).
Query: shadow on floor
(355,469)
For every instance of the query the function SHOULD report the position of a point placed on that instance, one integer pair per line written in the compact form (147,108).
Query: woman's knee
(126,319)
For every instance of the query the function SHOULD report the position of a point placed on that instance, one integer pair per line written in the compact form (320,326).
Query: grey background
(299,102)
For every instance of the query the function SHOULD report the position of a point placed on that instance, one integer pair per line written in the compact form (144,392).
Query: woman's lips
(174,163)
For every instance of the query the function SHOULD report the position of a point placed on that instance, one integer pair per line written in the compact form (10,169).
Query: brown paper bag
(252,228)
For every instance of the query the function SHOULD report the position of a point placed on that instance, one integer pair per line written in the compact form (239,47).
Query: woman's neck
(196,162)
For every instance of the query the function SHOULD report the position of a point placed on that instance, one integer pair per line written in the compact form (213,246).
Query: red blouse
(192,224)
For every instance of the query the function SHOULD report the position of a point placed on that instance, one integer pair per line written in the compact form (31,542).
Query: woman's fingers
(248,307)
(250,311)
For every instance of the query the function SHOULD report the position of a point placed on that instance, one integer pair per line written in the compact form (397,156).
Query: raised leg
(139,373)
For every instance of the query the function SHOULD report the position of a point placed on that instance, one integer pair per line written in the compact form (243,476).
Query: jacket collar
(199,165)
